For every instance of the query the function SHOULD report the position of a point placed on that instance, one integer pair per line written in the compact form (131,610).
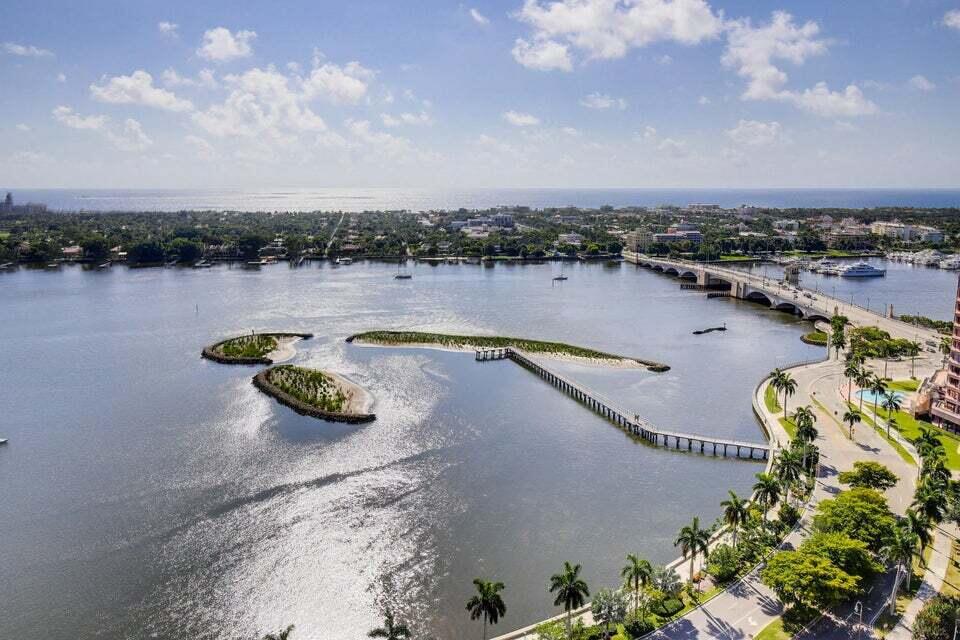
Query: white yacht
(862,270)
(826,267)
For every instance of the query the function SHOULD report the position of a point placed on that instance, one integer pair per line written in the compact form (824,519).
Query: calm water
(369,199)
(150,493)
(910,289)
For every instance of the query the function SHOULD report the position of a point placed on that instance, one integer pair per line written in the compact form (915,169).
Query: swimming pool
(871,397)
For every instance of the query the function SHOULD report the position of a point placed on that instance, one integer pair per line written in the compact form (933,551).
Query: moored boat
(862,270)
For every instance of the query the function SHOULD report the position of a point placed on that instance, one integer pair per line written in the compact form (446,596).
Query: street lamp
(858,609)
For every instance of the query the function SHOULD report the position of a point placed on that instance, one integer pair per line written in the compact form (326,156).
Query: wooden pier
(632,423)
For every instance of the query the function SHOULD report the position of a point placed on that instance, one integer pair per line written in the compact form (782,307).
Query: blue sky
(592,93)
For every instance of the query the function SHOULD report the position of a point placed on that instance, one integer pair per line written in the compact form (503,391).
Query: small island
(257,348)
(559,350)
(315,393)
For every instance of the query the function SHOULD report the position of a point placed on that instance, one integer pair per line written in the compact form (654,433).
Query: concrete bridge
(780,295)
(631,422)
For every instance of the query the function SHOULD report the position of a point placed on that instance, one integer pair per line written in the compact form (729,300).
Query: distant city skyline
(517,93)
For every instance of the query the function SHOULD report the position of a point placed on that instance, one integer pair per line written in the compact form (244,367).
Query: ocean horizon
(410,199)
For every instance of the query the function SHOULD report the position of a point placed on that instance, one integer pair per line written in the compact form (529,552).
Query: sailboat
(560,277)
(401,275)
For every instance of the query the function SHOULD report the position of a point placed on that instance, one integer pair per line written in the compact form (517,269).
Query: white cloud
(606,29)
(28,157)
(379,143)
(61,77)
(479,18)
(673,148)
(422,118)
(952,19)
(130,138)
(519,119)
(168,29)
(753,51)
(201,147)
(339,85)
(603,101)
(753,133)
(543,55)
(138,88)
(23,127)
(26,50)
(66,115)
(665,59)
(921,83)
(220,45)
(648,133)
(703,101)
(261,103)
(572,132)
(834,104)
(205,79)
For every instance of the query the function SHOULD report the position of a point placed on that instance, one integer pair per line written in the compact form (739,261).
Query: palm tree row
(783,382)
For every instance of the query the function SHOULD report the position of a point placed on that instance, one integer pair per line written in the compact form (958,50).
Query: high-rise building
(7,205)
(946,409)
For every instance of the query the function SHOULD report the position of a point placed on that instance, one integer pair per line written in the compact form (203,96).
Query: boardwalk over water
(628,421)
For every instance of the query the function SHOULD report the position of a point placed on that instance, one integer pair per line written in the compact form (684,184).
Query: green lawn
(770,399)
(816,337)
(883,433)
(906,386)
(951,583)
(909,428)
(734,258)
(774,631)
(4,235)
(773,406)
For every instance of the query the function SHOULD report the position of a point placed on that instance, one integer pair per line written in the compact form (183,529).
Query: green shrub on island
(485,342)
(816,337)
(724,563)
(254,346)
(309,386)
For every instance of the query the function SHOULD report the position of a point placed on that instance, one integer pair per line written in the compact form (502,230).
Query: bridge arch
(658,267)
(789,307)
(814,316)
(688,275)
(671,271)
(757,296)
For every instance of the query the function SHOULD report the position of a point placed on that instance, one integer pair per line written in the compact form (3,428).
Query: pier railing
(628,420)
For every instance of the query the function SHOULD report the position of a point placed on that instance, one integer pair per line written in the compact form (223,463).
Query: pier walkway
(629,421)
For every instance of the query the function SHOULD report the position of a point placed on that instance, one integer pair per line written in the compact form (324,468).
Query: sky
(512,93)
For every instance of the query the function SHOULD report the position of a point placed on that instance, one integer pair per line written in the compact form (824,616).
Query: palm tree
(571,590)
(636,573)
(883,351)
(945,348)
(913,348)
(879,388)
(735,513)
(283,634)
(851,418)
(919,526)
(850,372)
(930,501)
(693,540)
(776,381)
(928,443)
(767,490)
(899,549)
(486,603)
(804,419)
(863,381)
(788,468)
(789,387)
(390,630)
(934,473)
(891,402)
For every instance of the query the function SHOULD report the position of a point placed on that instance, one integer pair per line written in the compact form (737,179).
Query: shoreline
(283,352)
(613,361)
(355,409)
